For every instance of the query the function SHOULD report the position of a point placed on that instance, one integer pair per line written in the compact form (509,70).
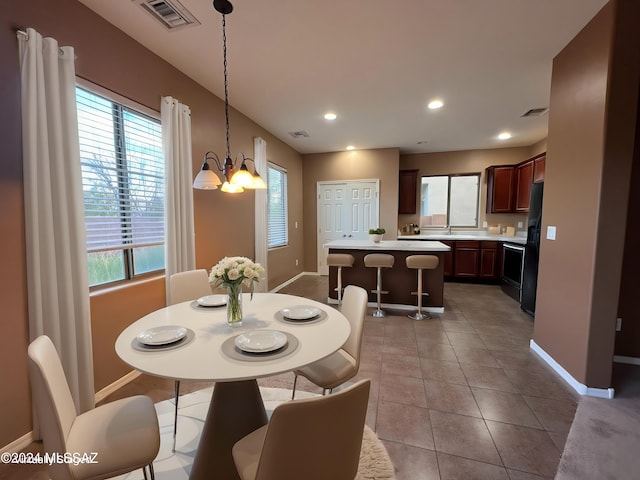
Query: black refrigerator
(532,250)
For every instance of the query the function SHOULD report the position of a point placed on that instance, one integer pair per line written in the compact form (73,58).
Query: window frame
(448,213)
(120,105)
(285,216)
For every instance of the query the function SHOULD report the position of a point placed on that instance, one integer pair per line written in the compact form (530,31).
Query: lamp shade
(258,182)
(228,187)
(242,177)
(206,180)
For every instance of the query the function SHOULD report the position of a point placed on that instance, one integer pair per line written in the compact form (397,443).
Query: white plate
(259,341)
(162,335)
(212,301)
(300,312)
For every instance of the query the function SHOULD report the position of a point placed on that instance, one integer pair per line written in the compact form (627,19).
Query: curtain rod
(22,32)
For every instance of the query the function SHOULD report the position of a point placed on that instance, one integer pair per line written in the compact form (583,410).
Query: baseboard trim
(109,389)
(629,360)
(291,280)
(19,444)
(567,377)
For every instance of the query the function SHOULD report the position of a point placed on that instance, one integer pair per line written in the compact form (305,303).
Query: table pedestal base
(236,409)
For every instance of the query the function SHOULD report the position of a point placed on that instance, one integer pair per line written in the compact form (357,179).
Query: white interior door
(345,210)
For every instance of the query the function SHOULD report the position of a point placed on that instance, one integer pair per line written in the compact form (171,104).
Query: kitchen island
(399,281)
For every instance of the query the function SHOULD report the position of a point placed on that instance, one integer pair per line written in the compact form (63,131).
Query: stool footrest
(380,291)
(424,294)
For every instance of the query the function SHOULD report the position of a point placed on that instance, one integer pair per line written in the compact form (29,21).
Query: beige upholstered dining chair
(339,367)
(316,439)
(189,285)
(123,433)
(185,286)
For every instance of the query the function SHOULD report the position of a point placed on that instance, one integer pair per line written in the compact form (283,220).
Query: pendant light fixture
(235,181)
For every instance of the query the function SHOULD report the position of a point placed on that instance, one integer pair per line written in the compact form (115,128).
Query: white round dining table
(236,407)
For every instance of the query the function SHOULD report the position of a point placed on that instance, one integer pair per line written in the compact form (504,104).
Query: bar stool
(379,261)
(421,262)
(340,260)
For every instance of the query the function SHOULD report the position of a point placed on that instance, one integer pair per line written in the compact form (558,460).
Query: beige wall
(469,161)
(590,144)
(537,148)
(111,312)
(359,164)
(224,224)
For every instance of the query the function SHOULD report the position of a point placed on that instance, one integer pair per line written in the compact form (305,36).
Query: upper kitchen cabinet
(408,191)
(509,186)
(538,168)
(524,179)
(500,189)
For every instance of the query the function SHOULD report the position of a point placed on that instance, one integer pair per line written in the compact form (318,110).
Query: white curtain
(260,159)
(57,277)
(180,245)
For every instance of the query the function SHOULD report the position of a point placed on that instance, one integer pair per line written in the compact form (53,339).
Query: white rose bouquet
(232,273)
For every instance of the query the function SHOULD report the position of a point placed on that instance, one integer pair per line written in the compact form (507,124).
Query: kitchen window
(449,200)
(277,208)
(123,187)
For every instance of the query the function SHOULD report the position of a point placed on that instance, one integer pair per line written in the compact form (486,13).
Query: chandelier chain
(226,85)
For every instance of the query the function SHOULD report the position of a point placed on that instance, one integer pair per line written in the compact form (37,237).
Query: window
(123,187)
(449,200)
(277,225)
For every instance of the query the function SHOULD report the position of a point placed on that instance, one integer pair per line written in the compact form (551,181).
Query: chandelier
(235,180)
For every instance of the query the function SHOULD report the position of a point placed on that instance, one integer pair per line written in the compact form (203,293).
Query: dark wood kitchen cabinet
(539,167)
(490,260)
(509,186)
(408,191)
(473,260)
(500,189)
(448,258)
(524,179)
(466,259)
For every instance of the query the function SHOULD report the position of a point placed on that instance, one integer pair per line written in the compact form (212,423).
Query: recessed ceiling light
(435,104)
(330,116)
(504,136)
(350,147)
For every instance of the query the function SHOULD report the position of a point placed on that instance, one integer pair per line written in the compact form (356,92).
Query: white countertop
(519,239)
(399,245)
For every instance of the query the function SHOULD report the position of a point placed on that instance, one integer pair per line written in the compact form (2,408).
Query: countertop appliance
(532,253)
(512,269)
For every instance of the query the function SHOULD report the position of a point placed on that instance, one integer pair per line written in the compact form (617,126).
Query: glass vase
(234,305)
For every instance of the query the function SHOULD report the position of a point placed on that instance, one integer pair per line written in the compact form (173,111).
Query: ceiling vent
(535,112)
(171,13)
(299,134)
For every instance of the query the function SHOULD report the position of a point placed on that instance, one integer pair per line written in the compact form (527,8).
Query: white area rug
(374,459)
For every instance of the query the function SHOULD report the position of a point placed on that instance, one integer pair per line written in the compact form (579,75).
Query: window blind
(122,174)
(277,225)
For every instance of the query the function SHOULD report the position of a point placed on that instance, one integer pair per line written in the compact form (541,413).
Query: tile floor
(459,396)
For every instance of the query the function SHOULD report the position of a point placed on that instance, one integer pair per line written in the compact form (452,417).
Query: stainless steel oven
(512,269)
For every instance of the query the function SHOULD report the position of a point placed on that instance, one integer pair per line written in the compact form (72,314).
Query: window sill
(279,247)
(124,285)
